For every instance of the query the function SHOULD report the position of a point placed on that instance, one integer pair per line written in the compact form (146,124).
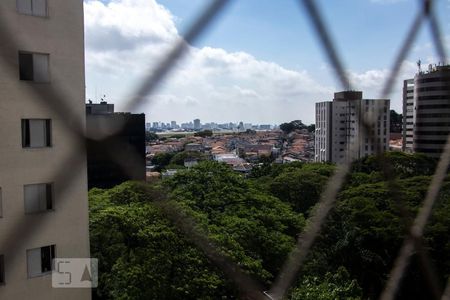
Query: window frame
(49,198)
(26,134)
(32,12)
(2,270)
(33,54)
(52,251)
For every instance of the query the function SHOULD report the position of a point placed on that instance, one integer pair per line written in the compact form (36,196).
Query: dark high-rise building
(116,151)
(427,106)
(197,124)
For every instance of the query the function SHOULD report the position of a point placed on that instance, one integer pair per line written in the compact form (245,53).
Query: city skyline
(249,76)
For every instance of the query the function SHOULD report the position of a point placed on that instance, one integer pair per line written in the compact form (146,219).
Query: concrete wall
(60,35)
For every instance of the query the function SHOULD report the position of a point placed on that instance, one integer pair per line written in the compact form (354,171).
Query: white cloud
(372,83)
(124,38)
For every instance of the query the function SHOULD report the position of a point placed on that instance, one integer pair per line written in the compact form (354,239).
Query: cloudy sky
(258,62)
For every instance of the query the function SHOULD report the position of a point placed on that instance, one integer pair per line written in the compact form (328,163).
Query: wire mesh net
(250,287)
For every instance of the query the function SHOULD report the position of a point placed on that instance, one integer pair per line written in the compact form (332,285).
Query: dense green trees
(178,159)
(255,221)
(161,160)
(144,256)
(204,133)
(372,217)
(396,121)
(291,126)
(141,254)
(296,124)
(298,184)
(150,136)
(259,227)
(332,286)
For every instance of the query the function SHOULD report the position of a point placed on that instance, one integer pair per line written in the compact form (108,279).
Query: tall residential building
(432,110)
(126,135)
(409,115)
(42,215)
(197,124)
(340,134)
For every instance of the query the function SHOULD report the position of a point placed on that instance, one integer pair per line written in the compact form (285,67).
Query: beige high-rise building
(409,115)
(43,212)
(340,133)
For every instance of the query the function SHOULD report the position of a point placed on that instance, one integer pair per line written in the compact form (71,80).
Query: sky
(259,61)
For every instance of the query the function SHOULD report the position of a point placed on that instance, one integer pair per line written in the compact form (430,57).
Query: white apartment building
(42,216)
(340,132)
(409,116)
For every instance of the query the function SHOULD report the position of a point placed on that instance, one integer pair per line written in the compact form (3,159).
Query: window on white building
(36,133)
(38,197)
(32,7)
(34,67)
(2,269)
(40,260)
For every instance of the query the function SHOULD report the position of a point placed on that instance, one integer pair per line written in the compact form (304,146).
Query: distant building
(193,147)
(197,124)
(173,124)
(340,134)
(103,108)
(432,110)
(241,126)
(108,168)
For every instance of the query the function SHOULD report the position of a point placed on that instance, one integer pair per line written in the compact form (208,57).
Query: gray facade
(432,100)
(123,132)
(340,134)
(42,215)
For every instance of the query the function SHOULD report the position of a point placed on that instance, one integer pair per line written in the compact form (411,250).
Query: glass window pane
(40,8)
(31,195)
(38,136)
(26,66)
(34,262)
(2,269)
(42,191)
(24,6)
(40,68)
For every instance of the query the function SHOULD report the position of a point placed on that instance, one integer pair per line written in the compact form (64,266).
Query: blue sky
(259,61)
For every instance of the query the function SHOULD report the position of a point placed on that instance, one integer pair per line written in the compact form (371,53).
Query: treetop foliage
(255,221)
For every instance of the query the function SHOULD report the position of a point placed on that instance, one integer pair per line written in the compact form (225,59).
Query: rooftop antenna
(419,64)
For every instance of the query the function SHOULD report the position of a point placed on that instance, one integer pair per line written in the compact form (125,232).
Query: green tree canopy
(178,159)
(204,133)
(334,286)
(141,254)
(257,228)
(291,126)
(150,136)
